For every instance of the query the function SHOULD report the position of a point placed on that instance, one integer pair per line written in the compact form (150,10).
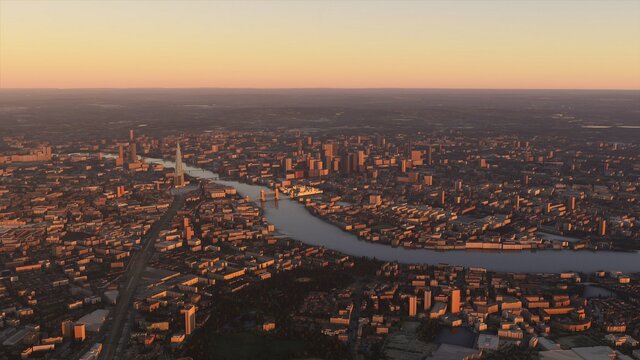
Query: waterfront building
(602,227)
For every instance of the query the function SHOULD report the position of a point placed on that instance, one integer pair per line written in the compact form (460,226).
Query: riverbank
(548,243)
(293,220)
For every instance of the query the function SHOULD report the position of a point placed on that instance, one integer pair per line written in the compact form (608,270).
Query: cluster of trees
(276,298)
(428,330)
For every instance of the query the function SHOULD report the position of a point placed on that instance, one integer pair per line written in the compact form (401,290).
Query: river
(292,219)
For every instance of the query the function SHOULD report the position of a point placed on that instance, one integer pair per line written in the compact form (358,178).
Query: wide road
(130,281)
(354,323)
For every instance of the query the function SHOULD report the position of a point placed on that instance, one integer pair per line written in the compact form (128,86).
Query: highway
(113,341)
(354,323)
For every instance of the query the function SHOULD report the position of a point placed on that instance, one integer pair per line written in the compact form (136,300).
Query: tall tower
(133,155)
(79,332)
(413,305)
(360,161)
(427,300)
(120,159)
(189,313)
(454,299)
(602,227)
(67,329)
(178,179)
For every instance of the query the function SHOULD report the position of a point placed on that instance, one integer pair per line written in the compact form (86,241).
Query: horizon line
(313,88)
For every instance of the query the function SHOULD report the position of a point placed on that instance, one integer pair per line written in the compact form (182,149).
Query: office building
(427,300)
(67,329)
(189,313)
(133,155)
(79,332)
(454,301)
(413,305)
(602,227)
(120,158)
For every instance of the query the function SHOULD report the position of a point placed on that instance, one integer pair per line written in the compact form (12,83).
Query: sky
(329,44)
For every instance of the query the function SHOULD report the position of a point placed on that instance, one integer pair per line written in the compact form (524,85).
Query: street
(113,342)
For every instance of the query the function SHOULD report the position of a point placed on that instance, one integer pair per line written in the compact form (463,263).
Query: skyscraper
(427,300)
(133,154)
(288,164)
(189,313)
(120,158)
(79,332)
(454,301)
(413,305)
(67,329)
(602,227)
(178,179)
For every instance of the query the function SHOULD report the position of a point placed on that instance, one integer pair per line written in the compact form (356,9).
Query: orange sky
(264,44)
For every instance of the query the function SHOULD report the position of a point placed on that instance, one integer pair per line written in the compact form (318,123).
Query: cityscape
(359,221)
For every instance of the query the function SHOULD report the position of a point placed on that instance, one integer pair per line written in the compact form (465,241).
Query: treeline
(276,298)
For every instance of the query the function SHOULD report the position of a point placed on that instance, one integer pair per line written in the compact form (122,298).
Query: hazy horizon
(315,44)
(318,88)
(319,179)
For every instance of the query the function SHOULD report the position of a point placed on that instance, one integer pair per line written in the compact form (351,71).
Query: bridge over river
(292,219)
